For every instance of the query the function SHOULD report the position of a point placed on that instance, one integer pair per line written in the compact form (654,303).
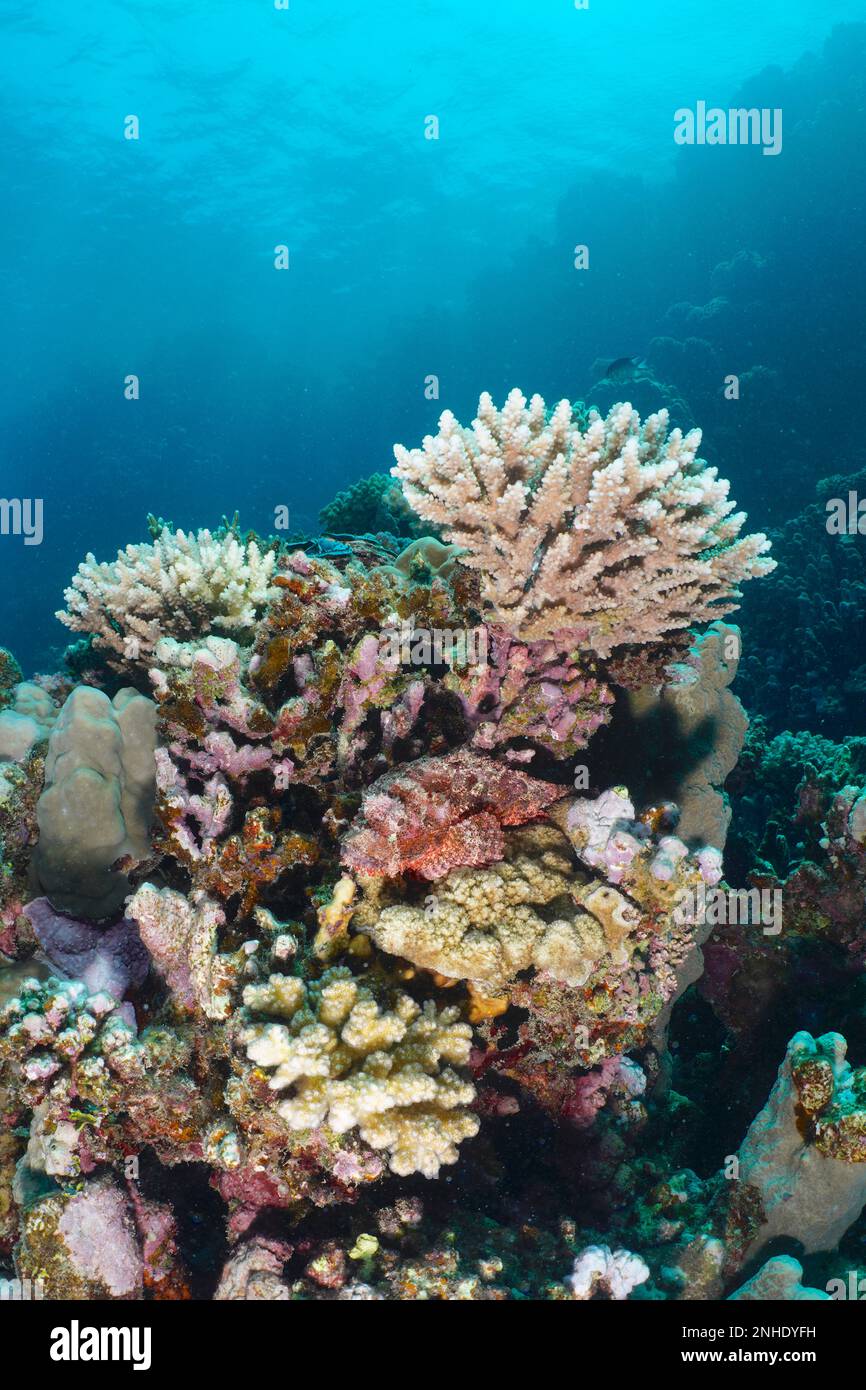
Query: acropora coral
(608,527)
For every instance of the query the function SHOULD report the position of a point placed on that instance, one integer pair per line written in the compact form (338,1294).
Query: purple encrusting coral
(112,959)
(350,908)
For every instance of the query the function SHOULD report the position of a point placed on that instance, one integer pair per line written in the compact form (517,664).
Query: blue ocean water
(409,257)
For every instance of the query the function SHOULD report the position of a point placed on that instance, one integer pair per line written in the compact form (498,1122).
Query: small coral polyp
(329,920)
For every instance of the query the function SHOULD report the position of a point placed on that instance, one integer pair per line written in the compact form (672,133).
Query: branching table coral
(611,529)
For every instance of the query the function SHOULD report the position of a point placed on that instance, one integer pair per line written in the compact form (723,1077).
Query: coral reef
(323,903)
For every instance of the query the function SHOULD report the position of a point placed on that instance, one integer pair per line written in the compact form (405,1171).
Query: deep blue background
(408,256)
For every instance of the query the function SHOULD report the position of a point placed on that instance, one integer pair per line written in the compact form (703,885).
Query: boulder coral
(97,804)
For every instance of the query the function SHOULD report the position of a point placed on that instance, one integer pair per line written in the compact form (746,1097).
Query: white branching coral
(608,529)
(180,586)
(345,1063)
(600,1270)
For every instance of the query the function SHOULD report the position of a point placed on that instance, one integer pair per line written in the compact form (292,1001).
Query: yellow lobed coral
(533,909)
(350,1064)
(485,925)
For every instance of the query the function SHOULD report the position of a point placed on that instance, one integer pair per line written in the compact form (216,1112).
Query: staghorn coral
(605,528)
(180,586)
(324,660)
(216,739)
(348,1064)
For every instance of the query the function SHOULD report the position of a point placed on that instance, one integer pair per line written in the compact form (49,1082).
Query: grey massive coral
(607,528)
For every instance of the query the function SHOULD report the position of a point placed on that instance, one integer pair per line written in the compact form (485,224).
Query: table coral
(605,527)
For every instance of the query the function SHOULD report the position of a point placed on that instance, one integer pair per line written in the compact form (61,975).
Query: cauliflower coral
(180,586)
(346,1063)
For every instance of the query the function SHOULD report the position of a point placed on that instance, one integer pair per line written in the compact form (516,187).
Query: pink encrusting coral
(443,813)
(538,691)
(603,531)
